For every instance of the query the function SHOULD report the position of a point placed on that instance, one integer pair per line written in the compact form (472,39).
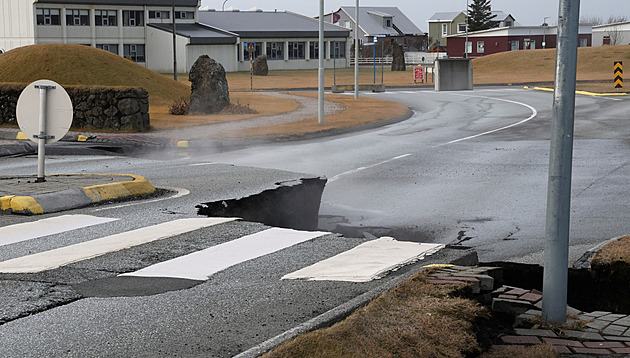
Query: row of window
(136,53)
(297,50)
(78,17)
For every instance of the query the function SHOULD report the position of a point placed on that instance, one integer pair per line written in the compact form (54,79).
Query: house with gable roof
(374,20)
(444,24)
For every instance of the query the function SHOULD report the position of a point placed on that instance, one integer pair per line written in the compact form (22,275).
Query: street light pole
(174,43)
(556,262)
(544,24)
(320,72)
(466,43)
(356,51)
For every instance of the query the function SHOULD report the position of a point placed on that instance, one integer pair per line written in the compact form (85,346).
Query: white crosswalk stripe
(51,259)
(366,262)
(12,234)
(202,264)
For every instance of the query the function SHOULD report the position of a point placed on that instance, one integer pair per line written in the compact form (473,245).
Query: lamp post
(466,43)
(544,24)
(223,6)
(174,43)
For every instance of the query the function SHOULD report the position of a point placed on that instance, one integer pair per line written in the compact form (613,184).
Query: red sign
(336,18)
(418,73)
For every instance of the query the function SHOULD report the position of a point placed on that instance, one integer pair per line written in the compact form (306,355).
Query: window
(514,45)
(387,22)
(159,14)
(134,52)
(133,18)
(508,23)
(275,50)
(444,30)
(296,51)
(105,18)
(461,27)
(347,24)
(75,17)
(107,47)
(255,54)
(469,47)
(606,39)
(480,47)
(529,44)
(583,42)
(338,49)
(48,17)
(314,50)
(184,15)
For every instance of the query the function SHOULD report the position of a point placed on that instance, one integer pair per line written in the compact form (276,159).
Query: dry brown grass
(594,64)
(538,351)
(363,111)
(264,106)
(615,251)
(415,319)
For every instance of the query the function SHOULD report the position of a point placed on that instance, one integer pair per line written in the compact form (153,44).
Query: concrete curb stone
(58,196)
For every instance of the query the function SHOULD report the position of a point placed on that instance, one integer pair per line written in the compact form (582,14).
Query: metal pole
(174,44)
(41,144)
(356,51)
(466,43)
(320,82)
(555,278)
(374,62)
(382,60)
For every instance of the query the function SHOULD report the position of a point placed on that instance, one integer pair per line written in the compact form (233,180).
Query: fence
(411,58)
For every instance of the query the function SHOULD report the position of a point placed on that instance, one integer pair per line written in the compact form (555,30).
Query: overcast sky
(526,12)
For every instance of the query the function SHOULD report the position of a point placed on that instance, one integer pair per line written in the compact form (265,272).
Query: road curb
(76,198)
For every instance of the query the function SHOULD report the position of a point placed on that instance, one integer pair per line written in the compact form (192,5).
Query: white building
(612,34)
(142,31)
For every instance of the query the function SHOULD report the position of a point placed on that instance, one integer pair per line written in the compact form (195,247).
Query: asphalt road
(468,167)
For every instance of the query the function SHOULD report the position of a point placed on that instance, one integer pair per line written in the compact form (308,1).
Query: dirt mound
(81,65)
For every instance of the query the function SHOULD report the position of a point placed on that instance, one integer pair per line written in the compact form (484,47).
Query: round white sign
(59,111)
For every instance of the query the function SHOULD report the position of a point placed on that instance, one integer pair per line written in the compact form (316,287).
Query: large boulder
(260,67)
(209,87)
(398,61)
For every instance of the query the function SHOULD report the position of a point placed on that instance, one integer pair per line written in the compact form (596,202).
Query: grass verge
(415,319)
(618,250)
(359,112)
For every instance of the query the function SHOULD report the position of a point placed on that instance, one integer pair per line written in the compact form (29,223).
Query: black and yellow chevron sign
(618,74)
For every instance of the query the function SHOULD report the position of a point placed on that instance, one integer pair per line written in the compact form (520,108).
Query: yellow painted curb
(82,138)
(21,135)
(182,144)
(21,204)
(585,93)
(136,187)
(438,265)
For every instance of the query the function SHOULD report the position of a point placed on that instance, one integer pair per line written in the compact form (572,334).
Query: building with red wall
(487,42)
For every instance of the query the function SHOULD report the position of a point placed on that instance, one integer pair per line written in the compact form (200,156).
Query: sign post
(418,74)
(618,71)
(44,114)
(251,48)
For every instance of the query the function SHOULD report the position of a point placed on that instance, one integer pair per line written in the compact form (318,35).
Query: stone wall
(124,109)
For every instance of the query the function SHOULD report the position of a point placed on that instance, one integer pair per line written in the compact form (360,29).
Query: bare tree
(615,19)
(592,20)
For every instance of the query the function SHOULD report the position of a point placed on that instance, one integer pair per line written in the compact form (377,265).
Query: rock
(128,106)
(260,67)
(398,61)
(209,87)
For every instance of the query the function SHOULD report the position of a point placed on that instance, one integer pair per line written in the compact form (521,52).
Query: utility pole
(555,278)
(320,72)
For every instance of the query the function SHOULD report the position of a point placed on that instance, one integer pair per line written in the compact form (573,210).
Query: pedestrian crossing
(364,263)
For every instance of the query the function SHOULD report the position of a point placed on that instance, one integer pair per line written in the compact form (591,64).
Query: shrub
(180,107)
